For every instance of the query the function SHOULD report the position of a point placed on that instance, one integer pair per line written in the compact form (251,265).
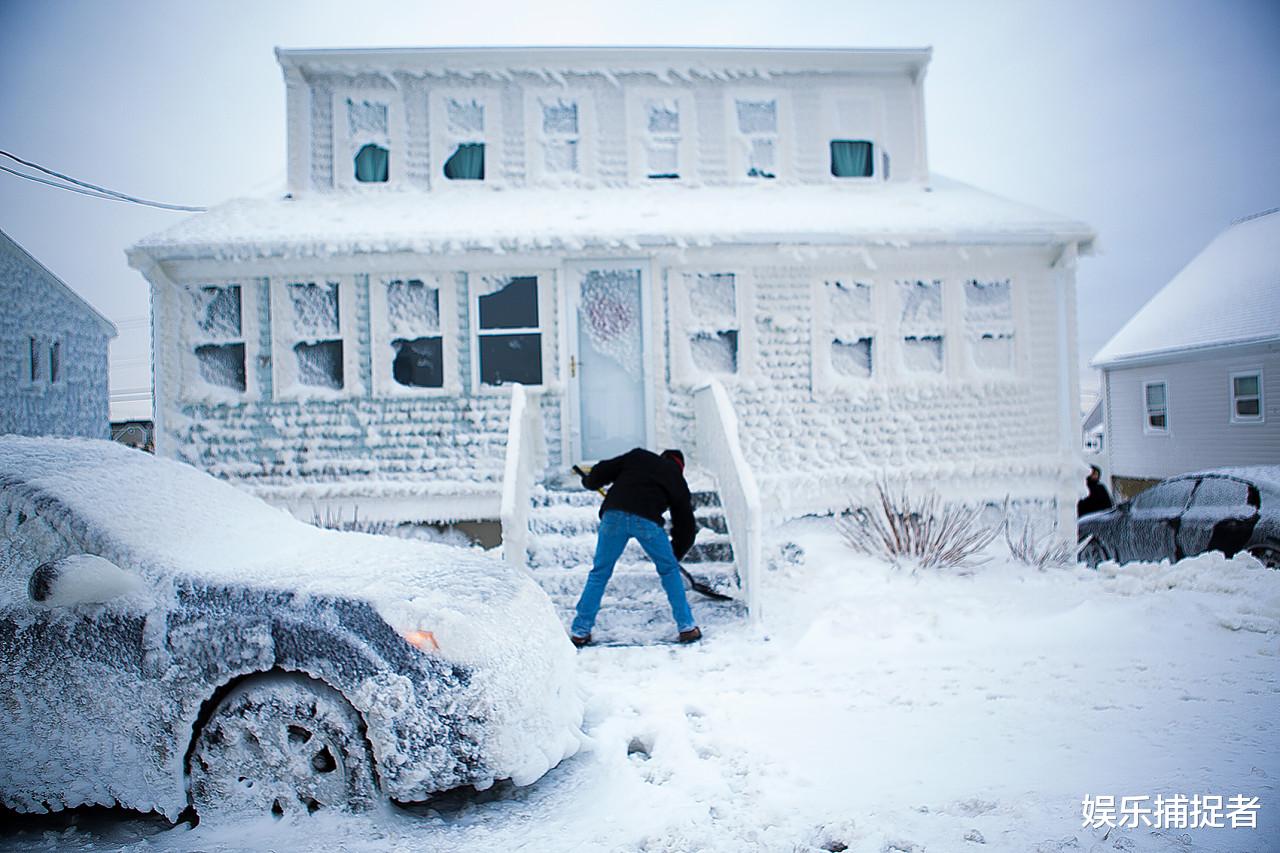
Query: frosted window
(758,126)
(1157,406)
(1166,496)
(921,302)
(55,361)
(418,363)
(315,308)
(758,116)
(560,117)
(510,339)
(34,362)
(217,311)
(222,365)
(1221,492)
(715,352)
(366,118)
(465,118)
(413,317)
(609,317)
(662,142)
(713,298)
(560,136)
(922,354)
(993,351)
(663,116)
(412,307)
(663,159)
(320,364)
(987,302)
(852,358)
(1246,397)
(850,302)
(560,155)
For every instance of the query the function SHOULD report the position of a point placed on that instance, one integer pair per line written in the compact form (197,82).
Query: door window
(1222,493)
(1171,496)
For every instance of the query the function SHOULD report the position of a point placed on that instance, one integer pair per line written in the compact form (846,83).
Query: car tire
(1268,555)
(281,744)
(1095,552)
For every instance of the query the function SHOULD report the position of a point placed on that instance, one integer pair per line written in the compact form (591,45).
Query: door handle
(573,367)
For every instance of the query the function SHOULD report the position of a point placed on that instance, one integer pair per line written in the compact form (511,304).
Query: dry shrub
(334,521)
(921,530)
(1041,551)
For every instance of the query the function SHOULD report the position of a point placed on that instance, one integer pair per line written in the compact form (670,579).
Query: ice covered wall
(818,442)
(53,353)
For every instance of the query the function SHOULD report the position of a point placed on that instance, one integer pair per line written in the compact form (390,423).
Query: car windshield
(1171,494)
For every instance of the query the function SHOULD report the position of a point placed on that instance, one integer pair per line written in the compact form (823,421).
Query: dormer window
(757,122)
(465,124)
(662,138)
(370,137)
(560,135)
(851,158)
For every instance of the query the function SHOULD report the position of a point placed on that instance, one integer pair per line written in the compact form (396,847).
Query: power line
(97,191)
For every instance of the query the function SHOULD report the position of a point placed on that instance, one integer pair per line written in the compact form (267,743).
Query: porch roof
(501,220)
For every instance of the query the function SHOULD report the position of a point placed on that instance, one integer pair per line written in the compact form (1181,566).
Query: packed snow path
(878,710)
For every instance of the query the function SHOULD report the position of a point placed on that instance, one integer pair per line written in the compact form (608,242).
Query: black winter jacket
(646,484)
(1099,499)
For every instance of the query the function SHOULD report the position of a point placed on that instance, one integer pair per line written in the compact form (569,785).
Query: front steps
(563,523)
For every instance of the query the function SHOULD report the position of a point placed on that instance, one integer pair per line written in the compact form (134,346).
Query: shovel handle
(583,475)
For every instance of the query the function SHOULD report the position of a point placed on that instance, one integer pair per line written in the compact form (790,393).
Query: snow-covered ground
(875,709)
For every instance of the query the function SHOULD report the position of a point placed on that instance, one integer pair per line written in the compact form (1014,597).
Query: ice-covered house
(53,352)
(740,252)
(1192,381)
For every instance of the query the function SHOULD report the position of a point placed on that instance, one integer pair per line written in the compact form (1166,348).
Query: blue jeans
(616,529)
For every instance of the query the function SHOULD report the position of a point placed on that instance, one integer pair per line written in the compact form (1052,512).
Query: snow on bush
(920,530)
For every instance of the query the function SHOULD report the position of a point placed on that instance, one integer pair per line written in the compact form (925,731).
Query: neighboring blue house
(53,352)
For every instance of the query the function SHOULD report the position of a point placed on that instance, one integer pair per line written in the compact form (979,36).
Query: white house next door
(607,357)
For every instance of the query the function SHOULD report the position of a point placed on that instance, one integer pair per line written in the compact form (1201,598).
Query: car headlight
(424,640)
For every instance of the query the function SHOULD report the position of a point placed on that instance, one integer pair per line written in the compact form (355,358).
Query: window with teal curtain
(467,163)
(850,158)
(372,164)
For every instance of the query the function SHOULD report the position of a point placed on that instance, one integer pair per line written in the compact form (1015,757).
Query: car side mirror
(79,579)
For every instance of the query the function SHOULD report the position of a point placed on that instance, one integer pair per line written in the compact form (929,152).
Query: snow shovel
(694,584)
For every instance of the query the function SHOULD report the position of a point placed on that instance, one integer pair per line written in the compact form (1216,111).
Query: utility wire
(102,192)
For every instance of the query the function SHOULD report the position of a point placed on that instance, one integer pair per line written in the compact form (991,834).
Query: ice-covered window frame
(34,373)
(989,325)
(414,334)
(847,349)
(710,328)
(509,339)
(921,327)
(758,135)
(55,361)
(314,350)
(853,127)
(661,135)
(465,131)
(560,136)
(221,321)
(1247,405)
(368,138)
(1155,407)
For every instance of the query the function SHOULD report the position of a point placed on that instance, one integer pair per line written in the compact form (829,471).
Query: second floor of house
(464,120)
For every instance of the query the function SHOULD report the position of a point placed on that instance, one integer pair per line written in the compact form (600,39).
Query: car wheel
(1094,552)
(1268,555)
(282,745)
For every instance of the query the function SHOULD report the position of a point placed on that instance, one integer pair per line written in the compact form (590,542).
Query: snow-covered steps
(562,525)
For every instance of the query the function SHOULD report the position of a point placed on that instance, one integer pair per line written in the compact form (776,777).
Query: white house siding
(1201,434)
(35,304)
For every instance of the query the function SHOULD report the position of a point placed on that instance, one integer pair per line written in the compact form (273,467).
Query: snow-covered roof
(1228,294)
(488,219)
(553,63)
(108,328)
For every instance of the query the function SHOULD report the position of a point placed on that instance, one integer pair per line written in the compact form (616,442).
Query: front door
(607,355)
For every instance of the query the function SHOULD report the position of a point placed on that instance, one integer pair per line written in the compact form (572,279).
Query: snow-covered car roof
(163,518)
(1265,476)
(532,219)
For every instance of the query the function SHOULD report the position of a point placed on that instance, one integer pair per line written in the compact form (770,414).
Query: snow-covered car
(169,641)
(1224,509)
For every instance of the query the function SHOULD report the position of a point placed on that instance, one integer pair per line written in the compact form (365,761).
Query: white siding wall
(1201,434)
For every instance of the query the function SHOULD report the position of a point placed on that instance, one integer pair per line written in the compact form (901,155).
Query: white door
(607,358)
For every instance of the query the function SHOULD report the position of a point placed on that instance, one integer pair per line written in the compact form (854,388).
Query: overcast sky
(1157,123)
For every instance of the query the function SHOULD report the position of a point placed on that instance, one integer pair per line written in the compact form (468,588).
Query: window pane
(320,364)
(1165,496)
(419,363)
(988,302)
(762,159)
(664,116)
(1155,395)
(713,298)
(412,307)
(850,159)
(513,307)
(222,365)
(923,354)
(560,155)
(850,302)
(1157,420)
(55,360)
(466,163)
(715,352)
(851,358)
(993,352)
(373,164)
(35,360)
(511,358)
(758,116)
(921,301)
(465,118)
(315,308)
(217,311)
(1246,386)
(366,117)
(1248,408)
(1221,492)
(663,156)
(560,117)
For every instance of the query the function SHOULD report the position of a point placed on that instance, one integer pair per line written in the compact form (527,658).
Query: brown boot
(579,642)
(693,635)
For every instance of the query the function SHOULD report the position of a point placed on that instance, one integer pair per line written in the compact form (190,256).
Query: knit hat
(676,455)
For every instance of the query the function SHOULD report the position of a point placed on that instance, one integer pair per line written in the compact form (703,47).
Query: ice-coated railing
(720,451)
(526,459)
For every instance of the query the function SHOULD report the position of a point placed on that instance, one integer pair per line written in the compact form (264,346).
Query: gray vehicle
(1225,509)
(170,642)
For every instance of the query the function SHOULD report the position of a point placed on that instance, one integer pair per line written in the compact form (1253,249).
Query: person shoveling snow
(645,485)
